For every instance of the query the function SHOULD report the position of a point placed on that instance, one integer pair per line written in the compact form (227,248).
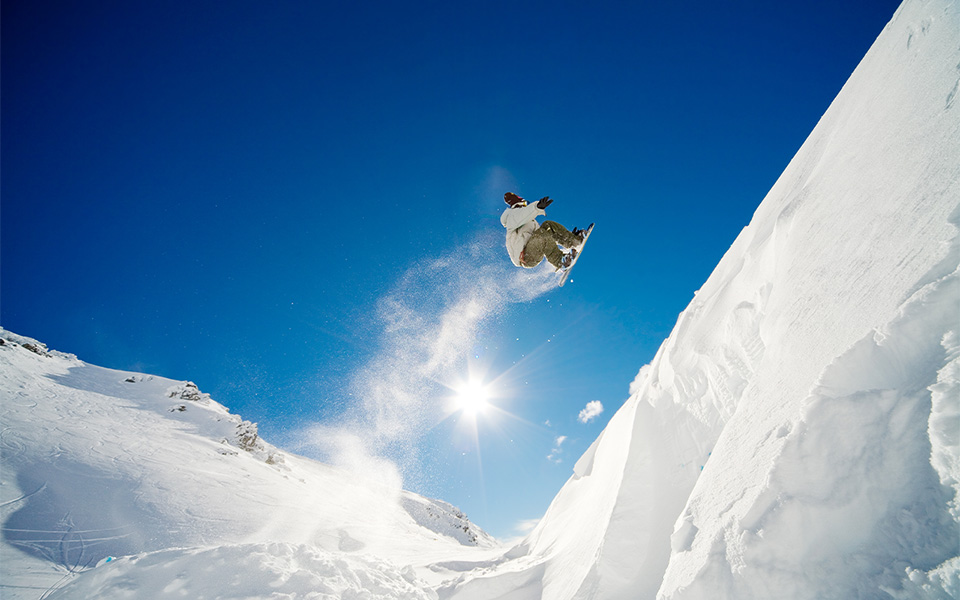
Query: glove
(544,202)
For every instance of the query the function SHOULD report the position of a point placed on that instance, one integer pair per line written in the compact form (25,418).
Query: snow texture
(797,436)
(249,571)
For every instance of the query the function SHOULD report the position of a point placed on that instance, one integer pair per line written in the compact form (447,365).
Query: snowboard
(566,272)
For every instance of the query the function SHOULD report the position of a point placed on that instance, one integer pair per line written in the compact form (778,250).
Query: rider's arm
(515,218)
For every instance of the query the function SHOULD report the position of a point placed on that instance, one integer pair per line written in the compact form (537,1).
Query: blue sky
(237,196)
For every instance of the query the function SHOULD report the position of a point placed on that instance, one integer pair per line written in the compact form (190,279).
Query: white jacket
(520,223)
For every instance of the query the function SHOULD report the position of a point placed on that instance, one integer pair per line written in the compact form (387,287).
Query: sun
(473,398)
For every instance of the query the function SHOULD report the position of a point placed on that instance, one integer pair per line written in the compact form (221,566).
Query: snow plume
(591,411)
(430,322)
(348,449)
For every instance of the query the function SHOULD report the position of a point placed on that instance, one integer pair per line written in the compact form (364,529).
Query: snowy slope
(100,463)
(797,434)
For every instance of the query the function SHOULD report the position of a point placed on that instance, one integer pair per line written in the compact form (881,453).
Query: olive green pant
(544,242)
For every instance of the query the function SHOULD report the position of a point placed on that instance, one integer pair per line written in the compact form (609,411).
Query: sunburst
(472,398)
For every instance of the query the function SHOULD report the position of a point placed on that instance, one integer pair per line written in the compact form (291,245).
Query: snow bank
(263,571)
(797,434)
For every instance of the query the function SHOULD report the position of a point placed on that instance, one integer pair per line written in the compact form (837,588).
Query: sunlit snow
(797,435)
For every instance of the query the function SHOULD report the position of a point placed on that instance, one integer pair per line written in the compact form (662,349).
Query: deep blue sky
(225,192)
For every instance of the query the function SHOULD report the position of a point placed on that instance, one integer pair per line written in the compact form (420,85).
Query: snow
(249,571)
(102,464)
(797,435)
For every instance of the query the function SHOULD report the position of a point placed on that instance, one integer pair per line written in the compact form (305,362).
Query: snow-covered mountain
(797,435)
(101,464)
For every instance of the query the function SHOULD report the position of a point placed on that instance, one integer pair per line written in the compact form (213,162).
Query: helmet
(512,199)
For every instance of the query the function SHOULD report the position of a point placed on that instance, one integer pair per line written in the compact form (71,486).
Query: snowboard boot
(568,259)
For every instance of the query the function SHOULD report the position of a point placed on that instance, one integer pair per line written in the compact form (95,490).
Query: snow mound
(265,571)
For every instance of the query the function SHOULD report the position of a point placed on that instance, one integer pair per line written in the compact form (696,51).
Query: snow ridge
(445,519)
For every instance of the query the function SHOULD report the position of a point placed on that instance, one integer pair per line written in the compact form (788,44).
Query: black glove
(544,202)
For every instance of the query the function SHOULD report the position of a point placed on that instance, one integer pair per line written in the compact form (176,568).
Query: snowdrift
(797,434)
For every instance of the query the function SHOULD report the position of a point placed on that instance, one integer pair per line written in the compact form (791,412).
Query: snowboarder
(529,242)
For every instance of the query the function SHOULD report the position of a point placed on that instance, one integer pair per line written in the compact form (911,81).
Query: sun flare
(473,398)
